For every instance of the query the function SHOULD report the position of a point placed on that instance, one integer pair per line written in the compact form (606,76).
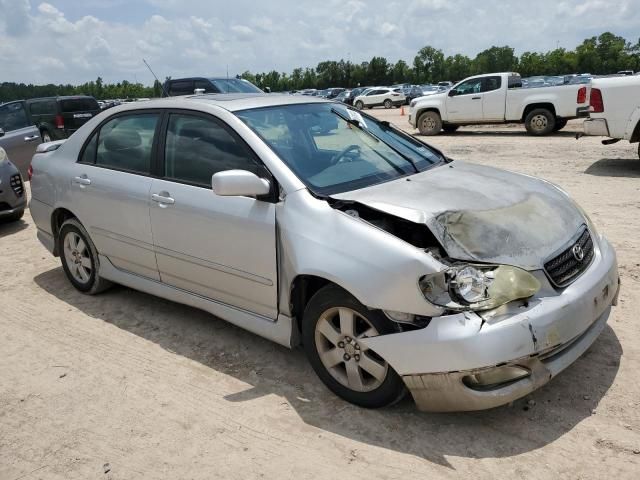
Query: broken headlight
(478,287)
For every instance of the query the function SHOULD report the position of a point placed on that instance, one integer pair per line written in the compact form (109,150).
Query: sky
(66,41)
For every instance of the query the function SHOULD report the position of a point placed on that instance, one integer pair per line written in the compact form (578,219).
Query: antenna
(154,76)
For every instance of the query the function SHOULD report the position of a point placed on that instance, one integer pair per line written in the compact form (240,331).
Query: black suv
(59,117)
(188,86)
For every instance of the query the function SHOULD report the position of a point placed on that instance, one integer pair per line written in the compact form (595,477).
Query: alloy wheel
(77,257)
(338,336)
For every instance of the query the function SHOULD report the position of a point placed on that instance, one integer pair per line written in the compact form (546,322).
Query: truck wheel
(450,128)
(333,326)
(387,104)
(540,121)
(46,136)
(430,123)
(359,105)
(560,124)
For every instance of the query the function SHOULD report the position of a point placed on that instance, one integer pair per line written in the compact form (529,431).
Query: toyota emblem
(578,253)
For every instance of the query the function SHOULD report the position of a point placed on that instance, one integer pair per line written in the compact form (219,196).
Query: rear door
(222,248)
(20,138)
(493,98)
(464,102)
(110,190)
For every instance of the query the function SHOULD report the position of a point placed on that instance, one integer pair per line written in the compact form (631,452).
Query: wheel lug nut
(357,357)
(347,339)
(341,344)
(357,347)
(346,357)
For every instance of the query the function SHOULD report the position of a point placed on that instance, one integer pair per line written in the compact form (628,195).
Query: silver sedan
(308,222)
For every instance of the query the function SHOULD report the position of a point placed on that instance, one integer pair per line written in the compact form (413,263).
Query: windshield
(334,149)
(234,85)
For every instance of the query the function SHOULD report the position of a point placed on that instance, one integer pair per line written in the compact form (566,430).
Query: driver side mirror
(453,92)
(1,132)
(239,183)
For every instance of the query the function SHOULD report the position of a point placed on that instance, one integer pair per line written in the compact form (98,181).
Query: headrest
(122,140)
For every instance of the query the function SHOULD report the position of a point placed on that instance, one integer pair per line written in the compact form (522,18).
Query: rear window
(79,105)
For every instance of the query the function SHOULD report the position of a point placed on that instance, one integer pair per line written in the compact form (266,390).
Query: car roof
(229,101)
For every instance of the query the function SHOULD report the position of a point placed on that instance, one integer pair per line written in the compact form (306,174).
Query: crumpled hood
(481,213)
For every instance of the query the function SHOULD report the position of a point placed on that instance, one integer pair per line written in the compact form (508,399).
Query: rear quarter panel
(621,98)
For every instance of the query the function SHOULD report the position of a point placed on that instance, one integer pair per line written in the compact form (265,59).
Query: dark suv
(58,117)
(188,86)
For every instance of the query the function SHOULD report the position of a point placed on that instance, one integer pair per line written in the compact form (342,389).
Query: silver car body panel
(16,203)
(244,272)
(480,213)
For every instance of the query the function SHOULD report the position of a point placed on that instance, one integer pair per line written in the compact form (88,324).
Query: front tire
(430,123)
(540,122)
(333,324)
(79,258)
(46,136)
(359,105)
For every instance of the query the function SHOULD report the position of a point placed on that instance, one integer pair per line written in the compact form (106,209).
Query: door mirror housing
(453,92)
(239,183)
(1,132)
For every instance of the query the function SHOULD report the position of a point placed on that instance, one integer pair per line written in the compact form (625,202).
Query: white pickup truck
(615,109)
(499,98)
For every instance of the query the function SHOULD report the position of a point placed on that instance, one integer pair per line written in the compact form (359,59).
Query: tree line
(600,55)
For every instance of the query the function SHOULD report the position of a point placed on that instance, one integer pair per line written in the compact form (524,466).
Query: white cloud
(78,41)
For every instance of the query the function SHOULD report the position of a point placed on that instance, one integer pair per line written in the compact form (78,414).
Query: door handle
(31,138)
(476,98)
(164,199)
(82,180)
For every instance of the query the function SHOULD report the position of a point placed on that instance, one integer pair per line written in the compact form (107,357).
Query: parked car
(19,136)
(411,93)
(498,98)
(615,109)
(59,117)
(13,198)
(446,84)
(343,96)
(187,86)
(380,97)
(392,264)
(334,92)
(354,93)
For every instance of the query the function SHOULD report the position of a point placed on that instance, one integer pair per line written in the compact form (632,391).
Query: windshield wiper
(356,123)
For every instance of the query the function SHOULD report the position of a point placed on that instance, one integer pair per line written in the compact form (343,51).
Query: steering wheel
(338,157)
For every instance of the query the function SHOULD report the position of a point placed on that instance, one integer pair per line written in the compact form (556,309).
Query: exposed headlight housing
(478,287)
(413,103)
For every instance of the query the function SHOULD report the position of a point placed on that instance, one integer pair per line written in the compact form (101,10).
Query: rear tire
(79,258)
(539,122)
(46,136)
(387,104)
(359,105)
(333,323)
(450,128)
(430,123)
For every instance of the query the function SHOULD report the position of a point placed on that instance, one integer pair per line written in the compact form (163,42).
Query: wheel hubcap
(539,122)
(77,258)
(338,335)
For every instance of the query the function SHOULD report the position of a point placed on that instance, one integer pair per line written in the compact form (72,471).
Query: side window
(125,142)
(181,87)
(196,148)
(491,83)
(470,86)
(35,108)
(89,152)
(13,117)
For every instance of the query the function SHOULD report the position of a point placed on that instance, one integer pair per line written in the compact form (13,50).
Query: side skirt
(280,331)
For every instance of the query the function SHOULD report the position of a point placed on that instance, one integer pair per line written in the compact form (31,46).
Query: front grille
(16,184)
(565,267)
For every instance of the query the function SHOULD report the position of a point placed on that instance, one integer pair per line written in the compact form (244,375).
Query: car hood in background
(481,213)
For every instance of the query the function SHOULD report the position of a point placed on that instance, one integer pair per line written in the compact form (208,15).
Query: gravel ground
(125,386)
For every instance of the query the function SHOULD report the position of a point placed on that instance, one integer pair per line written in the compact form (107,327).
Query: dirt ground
(127,386)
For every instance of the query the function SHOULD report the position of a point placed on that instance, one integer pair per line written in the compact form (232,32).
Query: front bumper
(10,202)
(544,338)
(596,126)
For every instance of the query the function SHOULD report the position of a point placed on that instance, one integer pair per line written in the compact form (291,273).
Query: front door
(19,137)
(222,248)
(111,185)
(464,102)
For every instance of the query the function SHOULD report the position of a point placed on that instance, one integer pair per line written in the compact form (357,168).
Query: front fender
(377,268)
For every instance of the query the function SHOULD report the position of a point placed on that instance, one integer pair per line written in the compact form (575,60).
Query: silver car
(307,222)
(13,198)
